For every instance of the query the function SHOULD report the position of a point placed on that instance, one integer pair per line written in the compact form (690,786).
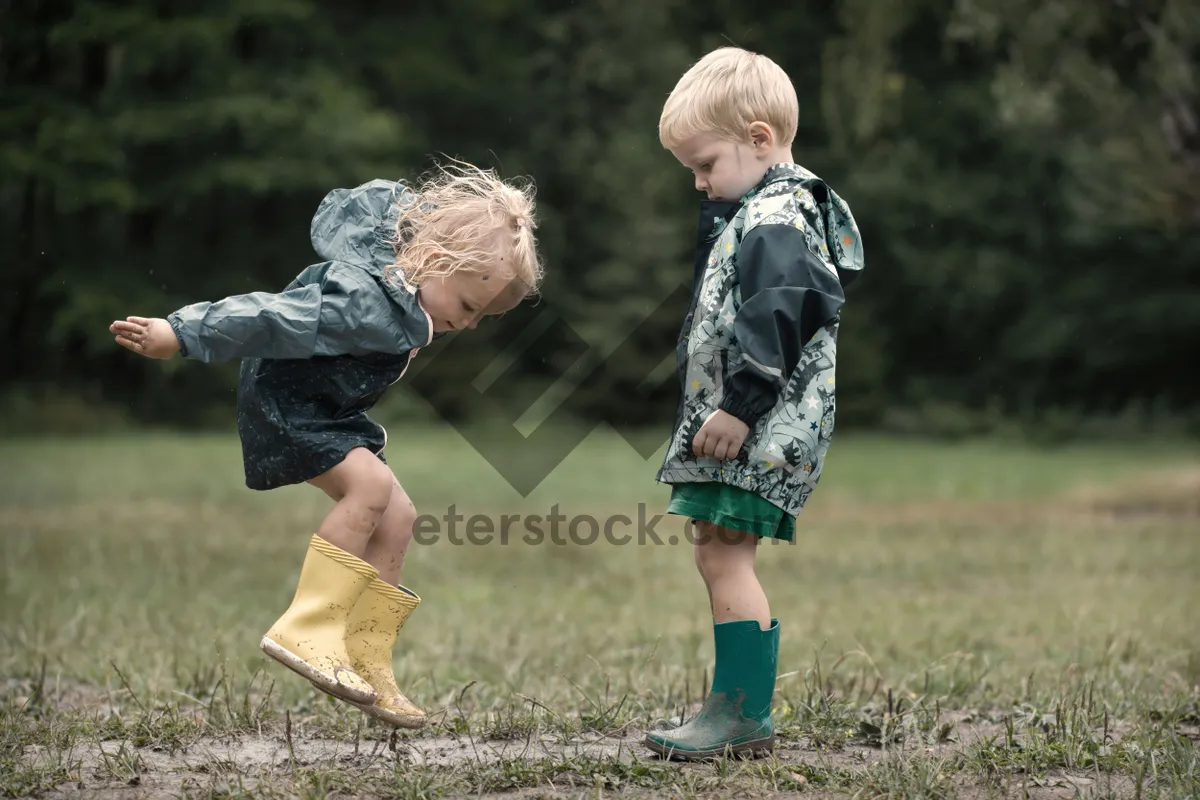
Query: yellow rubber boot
(309,638)
(374,624)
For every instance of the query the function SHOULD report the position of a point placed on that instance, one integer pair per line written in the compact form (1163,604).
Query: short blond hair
(724,92)
(466,218)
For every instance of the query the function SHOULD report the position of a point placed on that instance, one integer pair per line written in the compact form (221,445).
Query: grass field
(958,620)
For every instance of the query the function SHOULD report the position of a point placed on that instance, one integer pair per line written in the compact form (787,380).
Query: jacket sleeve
(788,294)
(345,312)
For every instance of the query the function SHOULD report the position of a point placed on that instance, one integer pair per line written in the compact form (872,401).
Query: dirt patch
(118,769)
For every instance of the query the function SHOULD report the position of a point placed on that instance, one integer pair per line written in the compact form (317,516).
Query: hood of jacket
(358,226)
(842,236)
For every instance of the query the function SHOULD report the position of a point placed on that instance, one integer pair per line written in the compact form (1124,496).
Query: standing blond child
(401,266)
(756,358)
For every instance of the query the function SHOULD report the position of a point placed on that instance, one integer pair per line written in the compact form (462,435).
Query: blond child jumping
(400,267)
(757,360)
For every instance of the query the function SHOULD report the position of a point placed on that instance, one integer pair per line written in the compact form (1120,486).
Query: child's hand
(153,338)
(720,436)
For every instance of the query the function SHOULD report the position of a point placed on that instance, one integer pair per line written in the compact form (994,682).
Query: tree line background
(1026,176)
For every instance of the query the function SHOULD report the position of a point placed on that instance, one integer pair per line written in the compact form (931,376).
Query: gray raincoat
(319,355)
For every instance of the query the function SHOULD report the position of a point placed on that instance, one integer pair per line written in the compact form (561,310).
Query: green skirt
(731,507)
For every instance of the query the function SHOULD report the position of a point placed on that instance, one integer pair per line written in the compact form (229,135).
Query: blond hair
(724,92)
(466,218)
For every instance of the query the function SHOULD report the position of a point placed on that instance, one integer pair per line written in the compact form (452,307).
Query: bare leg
(725,559)
(309,638)
(736,716)
(388,546)
(382,610)
(361,487)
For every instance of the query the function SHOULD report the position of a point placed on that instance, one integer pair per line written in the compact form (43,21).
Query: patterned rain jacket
(760,340)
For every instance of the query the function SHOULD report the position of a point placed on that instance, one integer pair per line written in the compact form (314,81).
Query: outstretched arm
(345,312)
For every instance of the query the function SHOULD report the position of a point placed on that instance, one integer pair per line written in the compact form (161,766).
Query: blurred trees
(1026,176)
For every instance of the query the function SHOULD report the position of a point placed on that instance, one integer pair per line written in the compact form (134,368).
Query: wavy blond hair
(466,218)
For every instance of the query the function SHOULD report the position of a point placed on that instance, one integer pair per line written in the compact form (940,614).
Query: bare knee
(373,493)
(710,551)
(401,514)
(721,552)
(364,483)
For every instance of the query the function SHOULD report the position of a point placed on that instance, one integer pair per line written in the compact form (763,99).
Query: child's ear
(762,138)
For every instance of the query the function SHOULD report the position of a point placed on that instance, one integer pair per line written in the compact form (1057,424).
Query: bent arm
(788,294)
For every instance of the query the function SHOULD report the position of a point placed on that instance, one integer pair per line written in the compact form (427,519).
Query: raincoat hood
(358,226)
(841,234)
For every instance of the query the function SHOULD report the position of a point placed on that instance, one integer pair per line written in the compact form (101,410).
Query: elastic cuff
(173,321)
(743,410)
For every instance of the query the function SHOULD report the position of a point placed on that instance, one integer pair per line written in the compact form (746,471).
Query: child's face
(461,300)
(726,170)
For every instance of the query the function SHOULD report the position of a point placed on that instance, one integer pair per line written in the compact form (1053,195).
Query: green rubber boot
(736,716)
